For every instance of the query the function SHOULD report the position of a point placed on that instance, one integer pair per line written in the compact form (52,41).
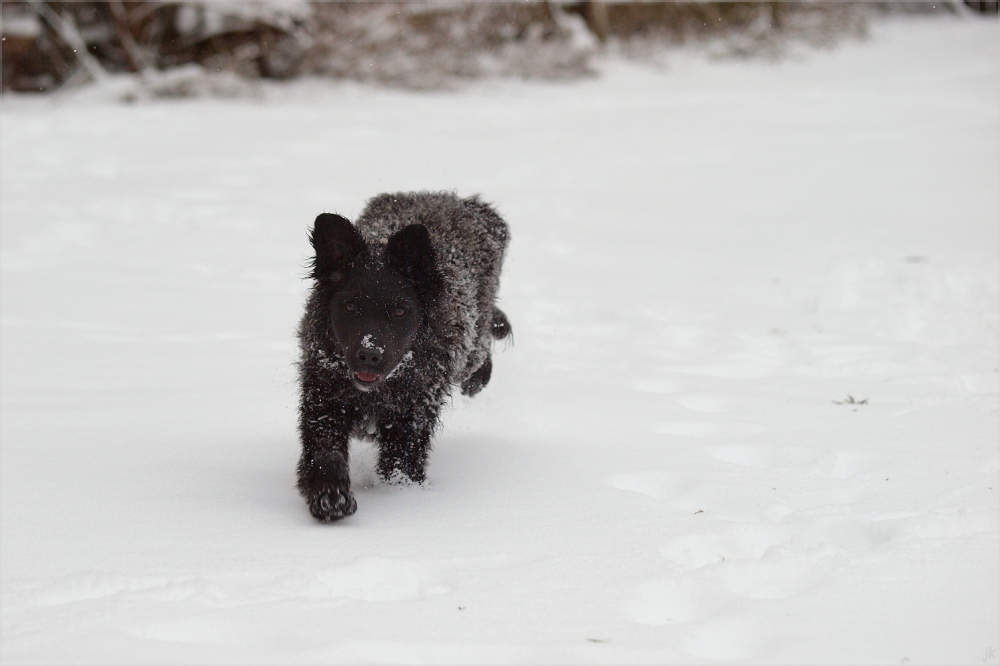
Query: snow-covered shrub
(419,44)
(55,43)
(411,43)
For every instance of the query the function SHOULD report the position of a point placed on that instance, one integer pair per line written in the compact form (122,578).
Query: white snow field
(750,413)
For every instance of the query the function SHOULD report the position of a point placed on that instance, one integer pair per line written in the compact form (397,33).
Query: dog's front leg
(404,443)
(323,474)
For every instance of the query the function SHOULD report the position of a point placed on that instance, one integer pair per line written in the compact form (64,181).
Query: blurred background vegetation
(175,47)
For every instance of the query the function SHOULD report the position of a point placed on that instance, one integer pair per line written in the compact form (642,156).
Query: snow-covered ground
(708,260)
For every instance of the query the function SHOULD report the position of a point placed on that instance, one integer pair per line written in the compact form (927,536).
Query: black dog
(401,311)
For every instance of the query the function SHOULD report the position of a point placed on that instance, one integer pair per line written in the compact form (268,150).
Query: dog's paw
(500,326)
(397,477)
(332,504)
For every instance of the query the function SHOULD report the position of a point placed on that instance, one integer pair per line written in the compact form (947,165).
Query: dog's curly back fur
(470,240)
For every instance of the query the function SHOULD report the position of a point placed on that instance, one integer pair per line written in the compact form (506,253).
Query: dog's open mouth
(367,377)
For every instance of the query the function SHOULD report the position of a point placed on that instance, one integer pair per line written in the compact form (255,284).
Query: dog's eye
(349,306)
(399,311)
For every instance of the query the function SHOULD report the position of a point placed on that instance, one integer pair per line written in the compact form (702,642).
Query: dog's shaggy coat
(453,270)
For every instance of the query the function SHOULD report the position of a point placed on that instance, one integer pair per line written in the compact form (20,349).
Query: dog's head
(376,304)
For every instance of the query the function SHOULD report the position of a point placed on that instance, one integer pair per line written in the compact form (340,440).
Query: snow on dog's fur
(401,311)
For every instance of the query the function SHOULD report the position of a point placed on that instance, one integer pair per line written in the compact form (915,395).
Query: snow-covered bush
(435,44)
(416,44)
(49,44)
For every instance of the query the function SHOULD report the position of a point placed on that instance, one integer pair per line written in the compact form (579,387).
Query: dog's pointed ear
(410,252)
(337,244)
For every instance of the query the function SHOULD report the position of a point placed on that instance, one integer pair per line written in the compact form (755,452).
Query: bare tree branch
(65,27)
(137,58)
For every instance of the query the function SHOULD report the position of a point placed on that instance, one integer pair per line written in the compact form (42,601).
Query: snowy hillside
(750,411)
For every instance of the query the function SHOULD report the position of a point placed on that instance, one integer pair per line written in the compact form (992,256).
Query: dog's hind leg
(480,378)
(500,327)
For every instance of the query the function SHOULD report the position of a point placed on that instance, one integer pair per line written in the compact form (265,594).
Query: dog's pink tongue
(366,376)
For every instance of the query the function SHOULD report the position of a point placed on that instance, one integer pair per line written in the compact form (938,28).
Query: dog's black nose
(369,357)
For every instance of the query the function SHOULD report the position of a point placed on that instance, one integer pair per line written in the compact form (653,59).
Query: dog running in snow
(402,309)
